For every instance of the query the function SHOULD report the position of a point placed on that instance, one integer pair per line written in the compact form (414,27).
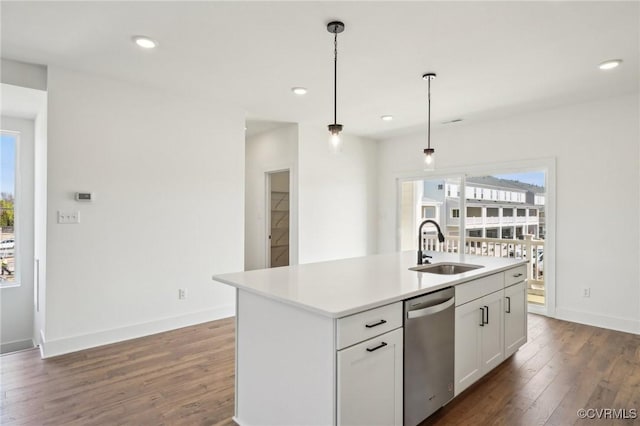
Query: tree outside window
(8,157)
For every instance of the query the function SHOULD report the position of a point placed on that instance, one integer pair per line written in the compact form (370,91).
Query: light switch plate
(68,217)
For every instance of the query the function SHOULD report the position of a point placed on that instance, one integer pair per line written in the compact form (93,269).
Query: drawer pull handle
(381,345)
(517,275)
(376,324)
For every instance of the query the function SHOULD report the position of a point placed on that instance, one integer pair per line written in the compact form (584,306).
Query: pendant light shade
(429,152)
(335,27)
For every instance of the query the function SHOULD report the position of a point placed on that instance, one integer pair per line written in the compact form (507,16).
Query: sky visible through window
(7,164)
(533,178)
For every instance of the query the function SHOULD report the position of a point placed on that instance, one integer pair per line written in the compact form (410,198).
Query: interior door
(278,194)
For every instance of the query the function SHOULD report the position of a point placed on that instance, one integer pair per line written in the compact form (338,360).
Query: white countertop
(343,287)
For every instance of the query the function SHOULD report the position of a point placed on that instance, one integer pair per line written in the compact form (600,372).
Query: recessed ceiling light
(386,117)
(610,64)
(299,90)
(145,42)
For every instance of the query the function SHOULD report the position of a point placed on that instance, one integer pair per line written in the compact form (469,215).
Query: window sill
(13,285)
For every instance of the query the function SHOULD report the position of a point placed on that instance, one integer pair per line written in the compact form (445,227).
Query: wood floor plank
(186,377)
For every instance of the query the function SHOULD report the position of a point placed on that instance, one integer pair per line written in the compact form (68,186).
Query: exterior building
(495,208)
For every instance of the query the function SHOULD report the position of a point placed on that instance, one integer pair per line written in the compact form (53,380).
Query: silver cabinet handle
(431,309)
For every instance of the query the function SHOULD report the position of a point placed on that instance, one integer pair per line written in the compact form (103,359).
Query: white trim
(533,308)
(41,344)
(65,345)
(267,218)
(237,329)
(16,345)
(627,325)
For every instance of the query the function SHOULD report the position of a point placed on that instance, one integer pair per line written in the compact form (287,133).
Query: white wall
(337,204)
(269,151)
(597,161)
(168,177)
(16,314)
(24,75)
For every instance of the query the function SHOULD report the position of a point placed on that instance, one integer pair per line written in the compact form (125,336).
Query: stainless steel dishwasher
(428,354)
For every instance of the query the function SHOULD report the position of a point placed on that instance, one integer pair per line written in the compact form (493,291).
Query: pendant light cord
(335,77)
(429,113)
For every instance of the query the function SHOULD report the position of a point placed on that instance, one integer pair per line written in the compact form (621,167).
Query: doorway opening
(278,223)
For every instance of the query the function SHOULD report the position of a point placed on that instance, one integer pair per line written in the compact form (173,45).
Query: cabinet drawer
(368,324)
(515,275)
(477,288)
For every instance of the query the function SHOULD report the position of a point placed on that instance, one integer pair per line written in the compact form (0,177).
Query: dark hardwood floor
(186,377)
(562,368)
(183,376)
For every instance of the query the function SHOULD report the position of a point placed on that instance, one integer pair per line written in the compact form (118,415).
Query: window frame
(464,171)
(17,282)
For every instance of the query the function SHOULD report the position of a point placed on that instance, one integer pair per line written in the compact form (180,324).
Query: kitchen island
(322,343)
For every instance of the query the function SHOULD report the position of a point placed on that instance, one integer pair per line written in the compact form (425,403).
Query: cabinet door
(370,381)
(515,318)
(493,331)
(468,356)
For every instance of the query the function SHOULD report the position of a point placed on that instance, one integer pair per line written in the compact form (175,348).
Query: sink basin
(445,268)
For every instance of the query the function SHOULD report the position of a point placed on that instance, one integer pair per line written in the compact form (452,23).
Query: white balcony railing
(494,220)
(527,248)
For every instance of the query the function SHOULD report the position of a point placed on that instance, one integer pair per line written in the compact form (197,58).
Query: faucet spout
(420,247)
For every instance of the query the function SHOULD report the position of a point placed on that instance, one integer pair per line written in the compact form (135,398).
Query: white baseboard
(16,345)
(51,348)
(613,323)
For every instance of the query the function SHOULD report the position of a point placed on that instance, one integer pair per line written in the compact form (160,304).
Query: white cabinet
(492,331)
(370,381)
(491,323)
(515,318)
(468,345)
(479,339)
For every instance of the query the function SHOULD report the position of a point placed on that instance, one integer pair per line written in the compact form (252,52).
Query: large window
(511,224)
(8,146)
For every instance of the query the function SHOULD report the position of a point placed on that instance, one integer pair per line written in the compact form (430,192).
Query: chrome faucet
(421,257)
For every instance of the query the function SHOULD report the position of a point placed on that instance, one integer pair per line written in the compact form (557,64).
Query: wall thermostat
(84,196)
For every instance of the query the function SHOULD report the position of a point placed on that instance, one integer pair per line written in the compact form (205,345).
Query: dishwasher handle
(431,309)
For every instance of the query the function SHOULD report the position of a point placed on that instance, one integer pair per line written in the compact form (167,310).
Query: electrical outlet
(182,293)
(586,292)
(68,217)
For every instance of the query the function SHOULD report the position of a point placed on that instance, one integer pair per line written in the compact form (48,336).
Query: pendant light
(428,151)
(335,28)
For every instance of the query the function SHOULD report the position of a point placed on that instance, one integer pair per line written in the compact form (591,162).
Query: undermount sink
(445,268)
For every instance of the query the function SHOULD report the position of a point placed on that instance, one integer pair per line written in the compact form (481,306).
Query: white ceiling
(493,59)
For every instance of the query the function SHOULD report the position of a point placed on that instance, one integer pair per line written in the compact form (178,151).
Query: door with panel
(468,341)
(492,331)
(370,381)
(515,318)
